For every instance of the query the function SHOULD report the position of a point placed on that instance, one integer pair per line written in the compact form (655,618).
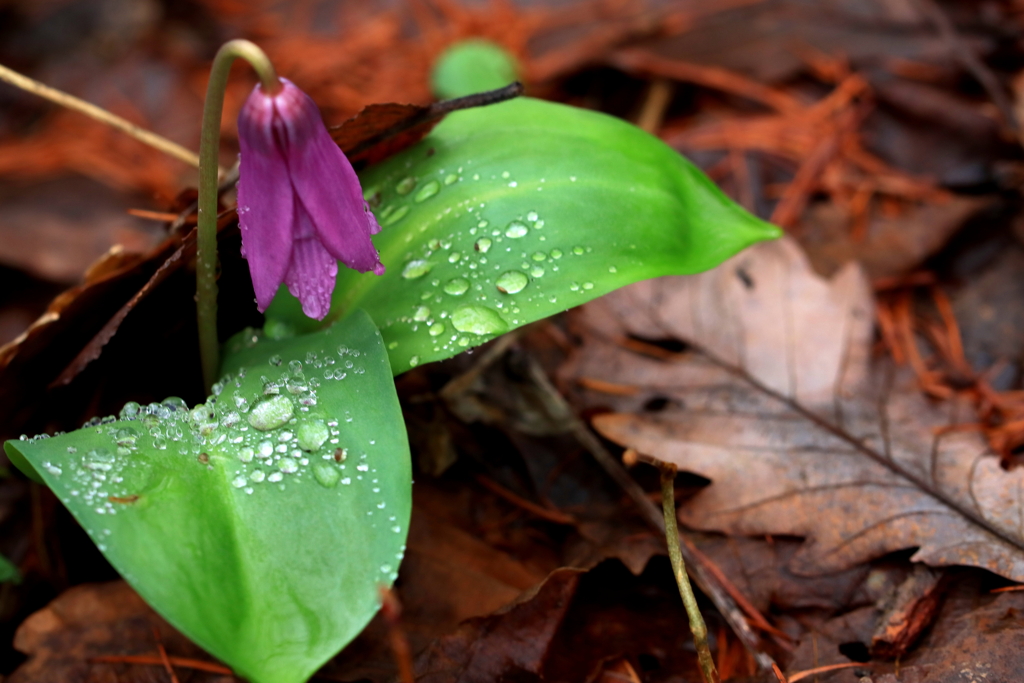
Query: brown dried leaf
(800,433)
(509,645)
(976,637)
(380,130)
(99,620)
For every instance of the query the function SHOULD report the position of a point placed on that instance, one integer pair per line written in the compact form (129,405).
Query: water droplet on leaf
(416,269)
(272,413)
(326,474)
(428,191)
(405,185)
(477,319)
(511,282)
(457,286)
(516,230)
(312,434)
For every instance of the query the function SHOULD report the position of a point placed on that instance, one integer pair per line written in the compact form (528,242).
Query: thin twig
(555,516)
(697,626)
(168,666)
(659,96)
(707,583)
(801,675)
(157,660)
(99,114)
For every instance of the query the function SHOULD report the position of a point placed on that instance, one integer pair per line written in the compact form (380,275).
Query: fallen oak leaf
(779,405)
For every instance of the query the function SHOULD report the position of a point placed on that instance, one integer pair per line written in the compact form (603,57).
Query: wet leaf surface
(487,227)
(199,509)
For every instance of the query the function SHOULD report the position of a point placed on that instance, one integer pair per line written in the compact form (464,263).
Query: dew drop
(588,285)
(516,229)
(288,465)
(421,314)
(326,475)
(457,286)
(532,216)
(416,269)
(405,185)
(427,191)
(436,329)
(511,282)
(312,434)
(483,245)
(476,319)
(454,257)
(246,454)
(257,476)
(556,253)
(578,251)
(275,477)
(450,179)
(612,269)
(414,361)
(265,449)
(130,410)
(272,413)
(539,256)
(537,271)
(238,482)
(396,216)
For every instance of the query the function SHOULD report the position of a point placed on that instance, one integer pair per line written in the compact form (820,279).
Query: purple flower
(300,206)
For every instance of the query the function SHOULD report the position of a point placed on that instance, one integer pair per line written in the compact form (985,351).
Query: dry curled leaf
(779,404)
(91,632)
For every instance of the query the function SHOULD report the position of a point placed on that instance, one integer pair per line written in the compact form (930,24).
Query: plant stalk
(675,555)
(99,114)
(206,218)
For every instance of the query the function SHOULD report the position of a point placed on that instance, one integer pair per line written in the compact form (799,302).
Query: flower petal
(265,198)
(313,270)
(327,185)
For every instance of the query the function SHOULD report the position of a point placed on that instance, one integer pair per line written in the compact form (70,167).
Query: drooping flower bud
(300,205)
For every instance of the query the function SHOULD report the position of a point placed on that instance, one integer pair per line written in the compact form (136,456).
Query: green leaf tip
(263,522)
(472,66)
(510,213)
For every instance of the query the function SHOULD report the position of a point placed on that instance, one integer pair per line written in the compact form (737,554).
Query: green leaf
(472,66)
(507,214)
(269,560)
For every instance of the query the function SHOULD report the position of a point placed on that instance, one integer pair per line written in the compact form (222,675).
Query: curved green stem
(206,228)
